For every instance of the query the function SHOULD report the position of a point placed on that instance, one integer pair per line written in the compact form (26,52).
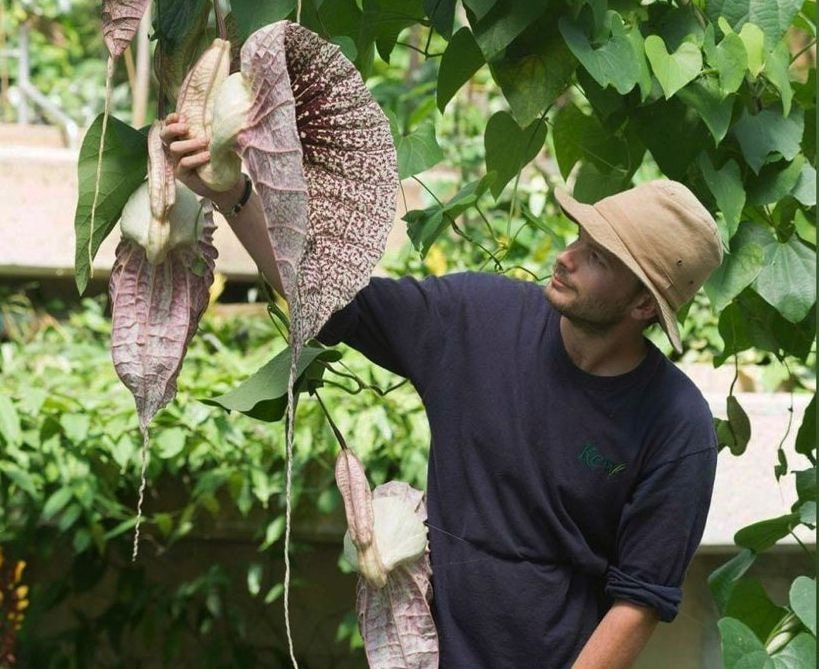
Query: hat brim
(604,234)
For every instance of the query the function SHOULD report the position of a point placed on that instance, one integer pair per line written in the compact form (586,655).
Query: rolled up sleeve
(660,529)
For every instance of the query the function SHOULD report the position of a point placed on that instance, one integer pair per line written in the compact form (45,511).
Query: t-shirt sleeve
(398,324)
(660,528)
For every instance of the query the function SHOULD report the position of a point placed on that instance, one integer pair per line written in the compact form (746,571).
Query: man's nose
(566,258)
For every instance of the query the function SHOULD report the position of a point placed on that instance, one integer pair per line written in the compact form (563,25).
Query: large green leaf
(417,151)
(593,184)
(441,14)
(480,8)
(777,63)
(383,20)
(533,82)
(181,29)
(705,96)
(769,136)
(750,321)
(250,15)
(739,425)
(738,270)
(774,17)
(614,62)
(806,479)
(722,580)
(498,27)
(727,188)
(750,603)
(806,437)
(124,166)
(664,119)
(9,422)
(425,226)
(578,137)
(740,647)
(805,188)
(264,394)
(461,59)
(800,653)
(774,181)
(803,601)
(788,283)
(761,536)
(754,41)
(675,70)
(728,57)
(509,147)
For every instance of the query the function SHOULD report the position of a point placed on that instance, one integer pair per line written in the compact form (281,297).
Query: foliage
(68,482)
(719,94)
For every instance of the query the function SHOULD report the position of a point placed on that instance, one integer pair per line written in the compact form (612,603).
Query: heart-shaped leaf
(675,70)
(737,271)
(263,395)
(509,147)
(727,188)
(728,57)
(788,283)
(705,96)
(769,136)
(461,59)
(803,601)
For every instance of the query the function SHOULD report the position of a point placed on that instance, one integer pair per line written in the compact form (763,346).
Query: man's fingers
(172,131)
(193,161)
(183,147)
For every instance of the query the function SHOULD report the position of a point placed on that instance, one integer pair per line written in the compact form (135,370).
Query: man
(571,463)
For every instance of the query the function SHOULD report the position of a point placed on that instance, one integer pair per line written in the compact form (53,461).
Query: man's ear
(645,308)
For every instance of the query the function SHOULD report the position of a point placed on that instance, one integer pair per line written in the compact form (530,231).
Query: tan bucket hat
(662,233)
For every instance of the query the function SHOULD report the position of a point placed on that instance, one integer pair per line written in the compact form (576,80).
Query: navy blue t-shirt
(551,492)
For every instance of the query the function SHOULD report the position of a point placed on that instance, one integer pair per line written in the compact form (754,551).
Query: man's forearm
(250,228)
(619,637)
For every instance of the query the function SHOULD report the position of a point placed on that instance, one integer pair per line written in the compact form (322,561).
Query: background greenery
(508,99)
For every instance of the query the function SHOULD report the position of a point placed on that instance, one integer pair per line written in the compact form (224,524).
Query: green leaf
(275,529)
(75,426)
(578,137)
(531,83)
(592,184)
(738,270)
(754,41)
(727,188)
(120,528)
(509,147)
(274,593)
(769,136)
(761,536)
(722,580)
(807,513)
(124,166)
(496,29)
(383,21)
(750,603)
(805,188)
(255,571)
(800,653)
(21,478)
(675,70)
(9,422)
(250,15)
(171,442)
(728,57)
(264,394)
(662,119)
(418,151)
(774,181)
(806,437)
(57,502)
(777,63)
(740,647)
(614,62)
(441,14)
(705,96)
(461,59)
(181,28)
(425,226)
(788,283)
(803,601)
(806,484)
(480,7)
(739,424)
(774,17)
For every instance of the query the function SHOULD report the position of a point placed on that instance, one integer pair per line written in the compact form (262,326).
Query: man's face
(591,287)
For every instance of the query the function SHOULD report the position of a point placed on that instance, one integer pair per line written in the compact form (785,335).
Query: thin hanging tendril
(142,484)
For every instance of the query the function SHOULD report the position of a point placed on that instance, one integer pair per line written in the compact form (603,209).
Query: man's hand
(249,225)
(619,637)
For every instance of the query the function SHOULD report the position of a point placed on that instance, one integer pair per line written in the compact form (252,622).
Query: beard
(591,314)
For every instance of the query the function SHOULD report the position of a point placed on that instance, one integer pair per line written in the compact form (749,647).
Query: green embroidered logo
(594,459)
